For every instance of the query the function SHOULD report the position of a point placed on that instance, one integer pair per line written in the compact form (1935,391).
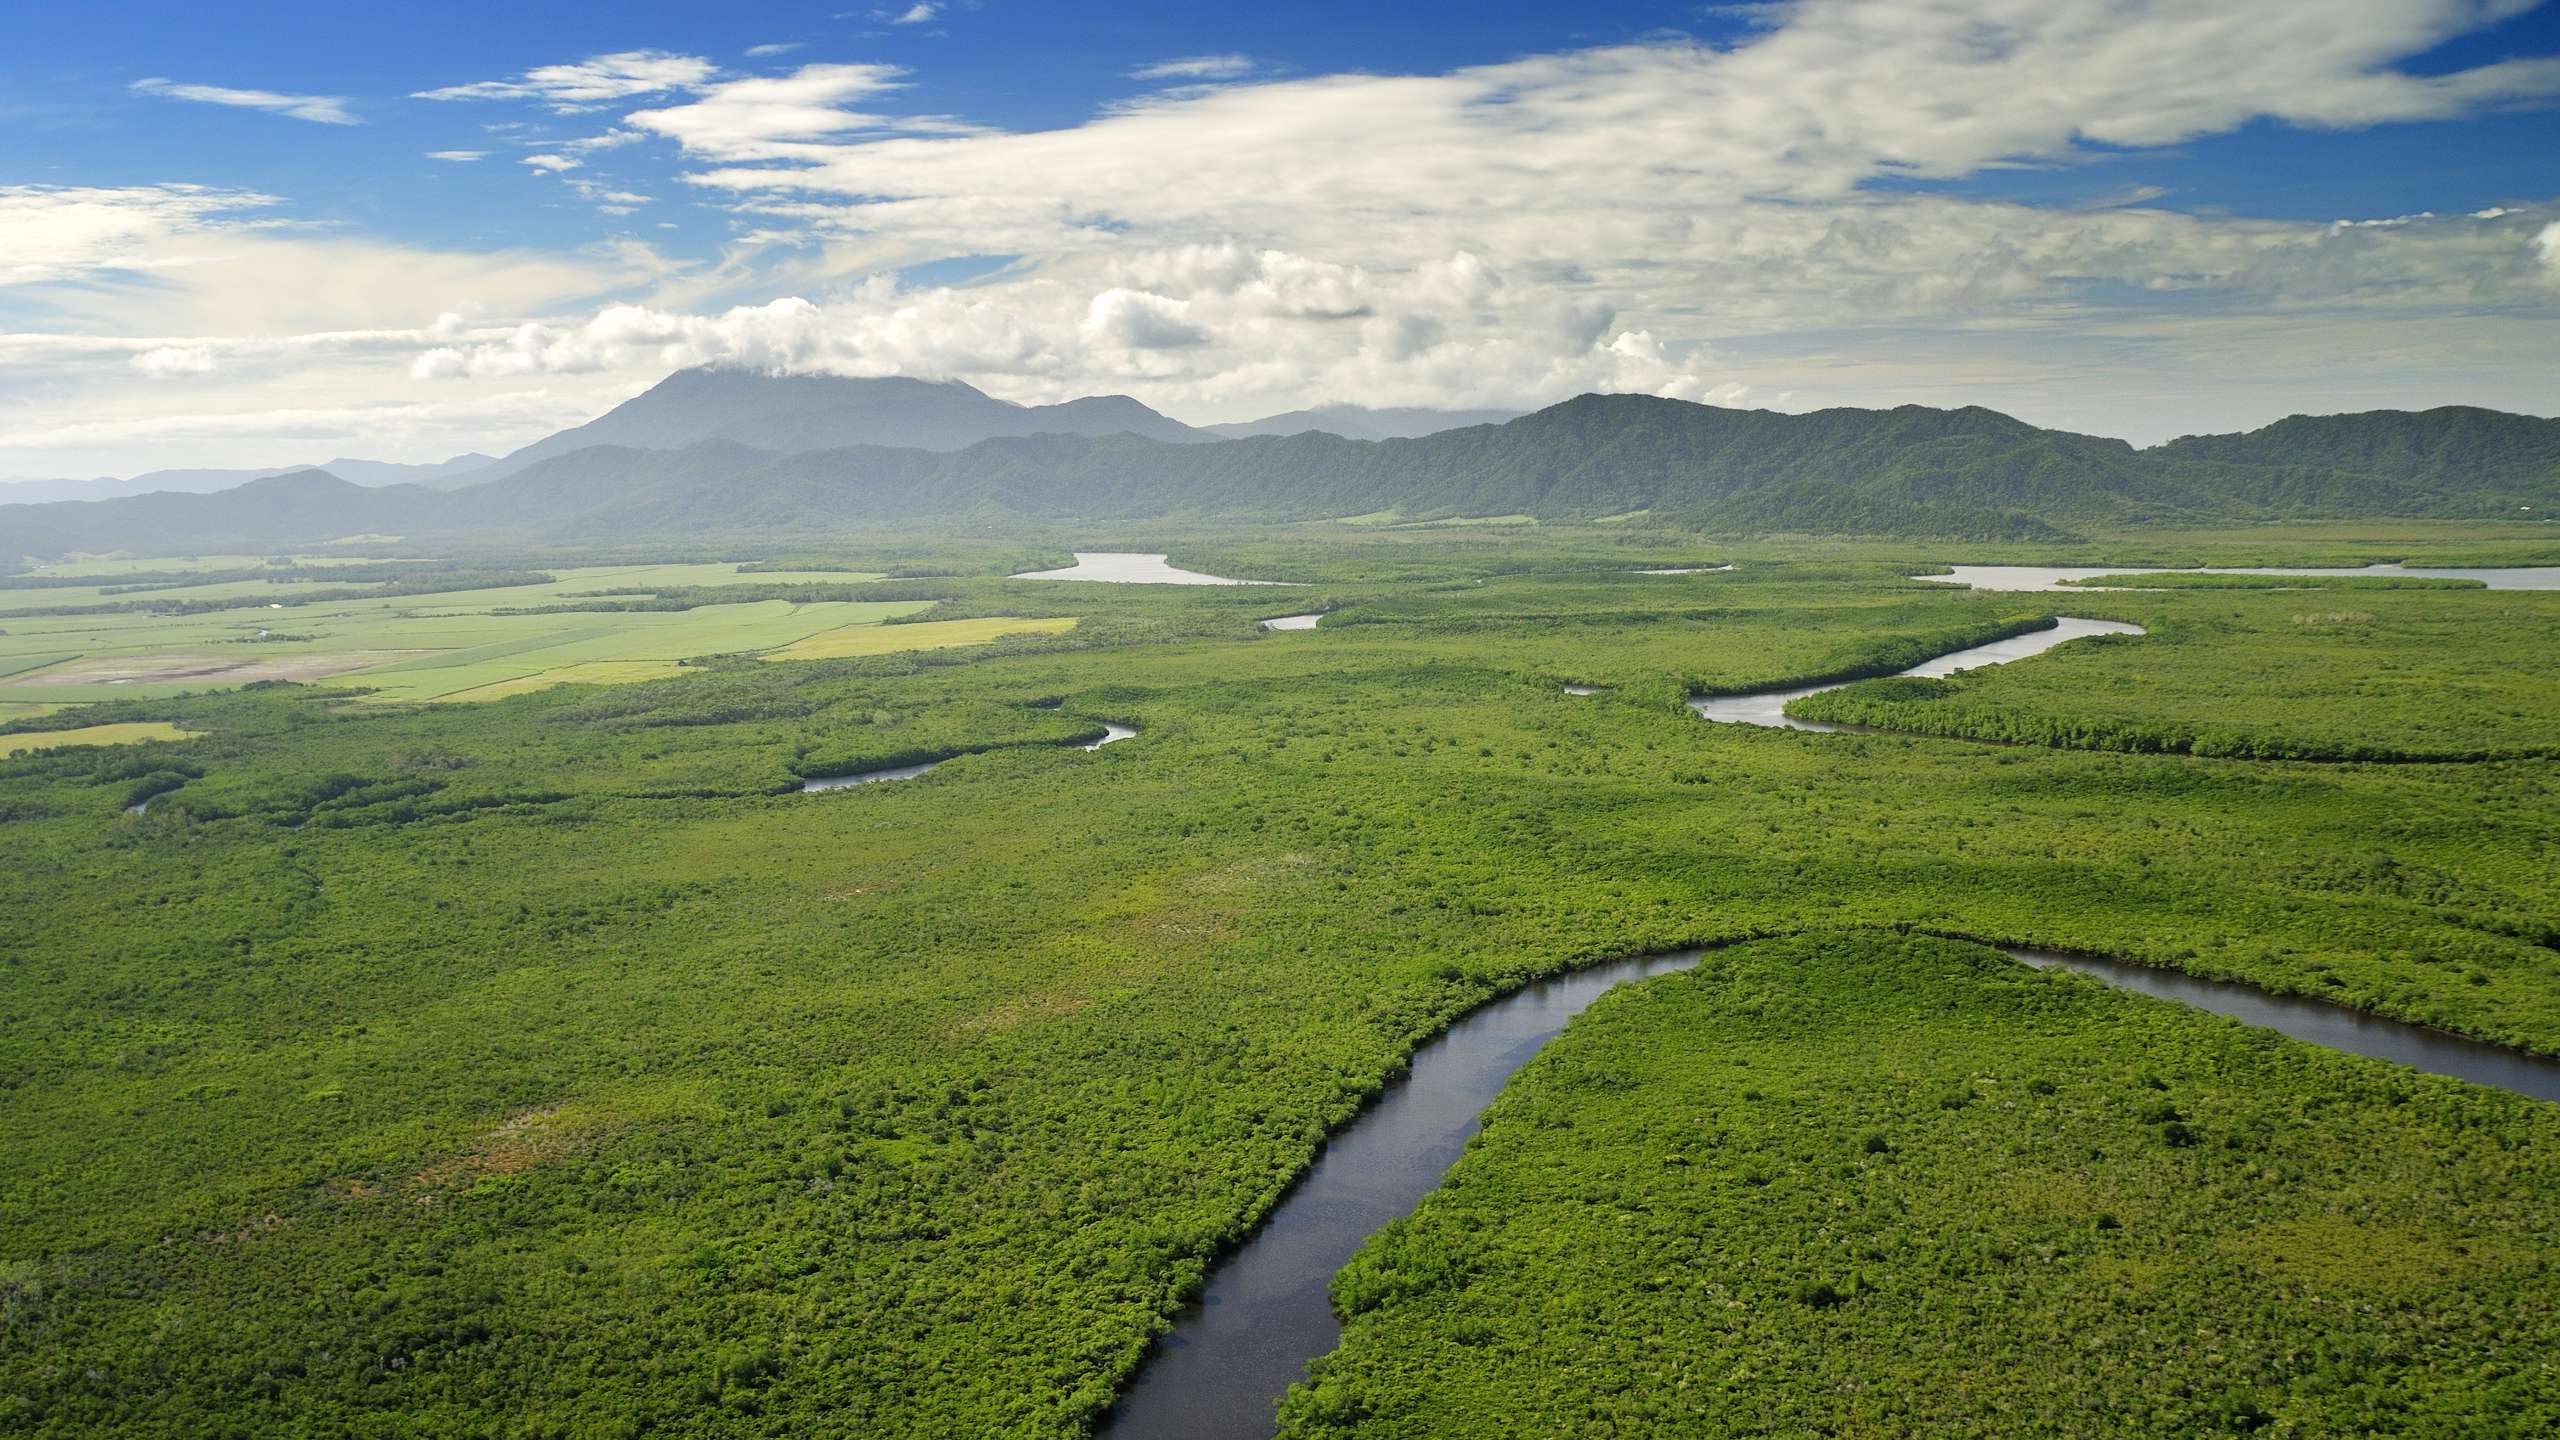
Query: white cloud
(775,117)
(1196,67)
(585,83)
(766,52)
(51,233)
(167,362)
(458,155)
(916,14)
(552,164)
(1717,223)
(320,109)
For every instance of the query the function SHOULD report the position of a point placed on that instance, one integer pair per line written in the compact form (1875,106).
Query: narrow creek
(1266,1311)
(1769,707)
(1112,734)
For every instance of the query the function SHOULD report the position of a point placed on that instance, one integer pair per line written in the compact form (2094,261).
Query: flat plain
(552,1065)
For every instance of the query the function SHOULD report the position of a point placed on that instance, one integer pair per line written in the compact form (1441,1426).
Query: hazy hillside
(1914,471)
(204,482)
(786,413)
(1359,422)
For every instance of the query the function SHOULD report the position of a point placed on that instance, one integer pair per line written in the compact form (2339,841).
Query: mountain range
(741,455)
(203,482)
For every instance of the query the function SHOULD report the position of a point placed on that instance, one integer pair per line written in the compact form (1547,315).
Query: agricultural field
(474,641)
(553,1065)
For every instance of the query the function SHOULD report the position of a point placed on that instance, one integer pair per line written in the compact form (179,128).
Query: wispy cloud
(554,164)
(767,52)
(458,155)
(916,14)
(319,109)
(586,83)
(780,117)
(1196,67)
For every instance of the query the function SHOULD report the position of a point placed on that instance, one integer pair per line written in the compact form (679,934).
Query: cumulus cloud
(319,109)
(1728,223)
(1216,325)
(584,84)
(552,164)
(1196,67)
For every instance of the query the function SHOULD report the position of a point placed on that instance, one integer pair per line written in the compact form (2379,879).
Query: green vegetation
(1874,1185)
(1967,474)
(553,1066)
(2400,675)
(125,734)
(421,631)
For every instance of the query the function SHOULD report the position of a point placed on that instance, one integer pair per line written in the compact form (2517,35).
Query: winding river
(1112,734)
(2050,577)
(1266,1310)
(1769,707)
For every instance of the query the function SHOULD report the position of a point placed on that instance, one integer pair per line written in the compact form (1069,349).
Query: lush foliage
(552,1066)
(1875,1185)
(2395,676)
(1968,474)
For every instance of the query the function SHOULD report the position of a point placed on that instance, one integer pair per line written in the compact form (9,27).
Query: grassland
(553,1066)
(129,733)
(853,640)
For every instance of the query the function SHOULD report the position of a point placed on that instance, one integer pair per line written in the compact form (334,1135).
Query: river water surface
(1128,567)
(2050,577)
(1266,1311)
(1769,707)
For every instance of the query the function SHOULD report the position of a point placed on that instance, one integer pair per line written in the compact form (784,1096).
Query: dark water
(1266,1312)
(2322,1023)
(865,777)
(1112,734)
(1769,707)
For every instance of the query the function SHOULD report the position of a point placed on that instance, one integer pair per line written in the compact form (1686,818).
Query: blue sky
(405,232)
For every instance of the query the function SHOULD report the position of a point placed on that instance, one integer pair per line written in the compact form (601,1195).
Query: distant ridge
(1359,422)
(787,413)
(204,482)
(1911,471)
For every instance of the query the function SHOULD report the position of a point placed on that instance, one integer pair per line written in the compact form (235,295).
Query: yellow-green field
(854,640)
(125,734)
(407,648)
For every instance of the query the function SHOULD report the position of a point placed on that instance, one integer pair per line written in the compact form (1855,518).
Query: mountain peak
(794,413)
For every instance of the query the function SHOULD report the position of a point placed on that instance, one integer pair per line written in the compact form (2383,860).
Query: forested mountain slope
(1913,471)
